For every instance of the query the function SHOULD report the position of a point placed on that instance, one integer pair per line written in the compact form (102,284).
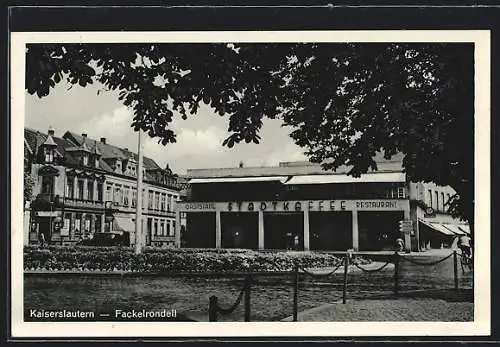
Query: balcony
(79,203)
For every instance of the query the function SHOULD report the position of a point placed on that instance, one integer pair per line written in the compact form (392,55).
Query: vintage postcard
(252,184)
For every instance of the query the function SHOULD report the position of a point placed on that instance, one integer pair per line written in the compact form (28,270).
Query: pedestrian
(464,245)
(296,242)
(400,245)
(42,239)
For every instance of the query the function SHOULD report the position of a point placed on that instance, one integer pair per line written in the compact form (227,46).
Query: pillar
(218,232)
(75,187)
(355,230)
(177,229)
(103,220)
(72,226)
(407,235)
(306,230)
(85,188)
(261,230)
(94,193)
(82,223)
(92,224)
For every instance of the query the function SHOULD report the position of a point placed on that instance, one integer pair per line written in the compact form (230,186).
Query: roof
(109,151)
(292,169)
(35,138)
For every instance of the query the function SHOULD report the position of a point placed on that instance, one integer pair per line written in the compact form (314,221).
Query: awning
(124,225)
(341,178)
(454,228)
(239,179)
(437,227)
(464,228)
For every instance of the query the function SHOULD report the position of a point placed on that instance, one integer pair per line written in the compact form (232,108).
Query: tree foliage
(29,183)
(345,102)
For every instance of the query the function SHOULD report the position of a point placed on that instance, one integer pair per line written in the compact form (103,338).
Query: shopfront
(295,224)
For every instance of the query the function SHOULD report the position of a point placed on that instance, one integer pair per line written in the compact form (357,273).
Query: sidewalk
(403,309)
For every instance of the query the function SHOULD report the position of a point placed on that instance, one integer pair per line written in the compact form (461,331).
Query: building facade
(84,186)
(297,205)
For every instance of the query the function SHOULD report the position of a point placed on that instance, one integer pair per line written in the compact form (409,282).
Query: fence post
(295,294)
(248,281)
(396,273)
(212,309)
(455,268)
(346,269)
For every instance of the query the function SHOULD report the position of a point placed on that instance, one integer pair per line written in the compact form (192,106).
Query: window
(109,193)
(173,228)
(162,203)
(157,201)
(169,203)
(49,155)
(150,199)
(134,197)
(117,198)
(448,197)
(85,159)
(401,193)
(174,199)
(125,196)
(437,200)
(443,202)
(149,225)
(80,189)
(430,198)
(99,191)
(162,228)
(168,229)
(66,224)
(118,166)
(155,227)
(90,190)
(69,187)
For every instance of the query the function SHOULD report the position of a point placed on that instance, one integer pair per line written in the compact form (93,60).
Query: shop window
(65,228)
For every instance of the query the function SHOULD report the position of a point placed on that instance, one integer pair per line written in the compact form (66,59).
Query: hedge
(161,260)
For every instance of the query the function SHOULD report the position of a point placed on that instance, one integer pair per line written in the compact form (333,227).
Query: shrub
(160,260)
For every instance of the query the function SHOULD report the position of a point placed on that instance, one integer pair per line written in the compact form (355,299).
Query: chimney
(84,135)
(51,131)
(103,140)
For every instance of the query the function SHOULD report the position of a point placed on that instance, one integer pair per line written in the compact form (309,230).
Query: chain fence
(300,275)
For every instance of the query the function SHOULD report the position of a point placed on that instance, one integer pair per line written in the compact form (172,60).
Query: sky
(99,113)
